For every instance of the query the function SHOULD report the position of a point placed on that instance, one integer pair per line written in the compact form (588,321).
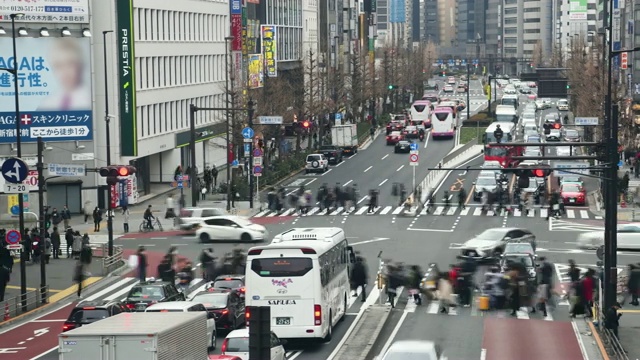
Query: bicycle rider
(148,217)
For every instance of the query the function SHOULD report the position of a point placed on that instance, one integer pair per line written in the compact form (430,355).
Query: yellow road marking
(473,189)
(30,289)
(72,289)
(459,184)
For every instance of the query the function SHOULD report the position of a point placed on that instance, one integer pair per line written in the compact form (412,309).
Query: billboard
(578,10)
(269,49)
(126,79)
(54,80)
(256,71)
(46,11)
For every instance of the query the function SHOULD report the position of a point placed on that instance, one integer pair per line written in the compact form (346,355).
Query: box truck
(139,336)
(345,137)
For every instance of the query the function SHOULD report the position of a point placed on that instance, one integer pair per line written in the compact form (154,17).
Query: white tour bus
(421,111)
(303,275)
(443,122)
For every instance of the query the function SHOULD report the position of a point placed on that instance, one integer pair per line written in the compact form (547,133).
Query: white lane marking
(386,210)
(370,241)
(543,213)
(337,211)
(400,168)
(517,213)
(428,137)
(433,308)
(483,354)
(118,284)
(584,214)
(452,211)
(394,333)
(583,350)
(398,210)
(311,182)
(52,320)
(438,210)
(520,314)
(119,294)
(363,199)
(288,212)
(571,214)
(313,211)
(384,157)
(465,211)
(430,230)
(295,356)
(477,211)
(383,181)
(261,214)
(44,353)
(347,183)
(367,169)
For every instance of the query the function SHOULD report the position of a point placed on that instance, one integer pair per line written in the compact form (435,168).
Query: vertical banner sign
(236,25)
(126,79)
(616,33)
(238,69)
(624,60)
(629,85)
(269,49)
(256,71)
(578,10)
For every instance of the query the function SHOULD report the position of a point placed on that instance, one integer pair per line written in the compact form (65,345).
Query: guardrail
(109,263)
(12,307)
(606,340)
(452,155)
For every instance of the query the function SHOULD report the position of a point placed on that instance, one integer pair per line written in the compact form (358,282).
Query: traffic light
(523,181)
(443,74)
(259,332)
(531,65)
(556,126)
(113,172)
(568,86)
(393,87)
(305,124)
(540,172)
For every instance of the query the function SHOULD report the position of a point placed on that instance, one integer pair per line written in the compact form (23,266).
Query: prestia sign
(126,79)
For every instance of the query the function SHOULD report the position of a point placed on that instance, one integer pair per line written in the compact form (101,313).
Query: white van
(509,99)
(506,113)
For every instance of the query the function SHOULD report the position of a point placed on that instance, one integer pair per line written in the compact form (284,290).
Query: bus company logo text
(281,302)
(281,283)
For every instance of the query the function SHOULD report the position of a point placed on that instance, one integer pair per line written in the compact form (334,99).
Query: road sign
(338,116)
(576,167)
(15,210)
(16,188)
(13,237)
(257,161)
(413,159)
(248,133)
(257,152)
(14,170)
(586,121)
(67,170)
(257,170)
(247,149)
(14,247)
(414,146)
(179,178)
(269,120)
(61,132)
(235,163)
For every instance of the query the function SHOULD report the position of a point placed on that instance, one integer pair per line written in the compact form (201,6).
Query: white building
(568,28)
(310,27)
(179,49)
(527,23)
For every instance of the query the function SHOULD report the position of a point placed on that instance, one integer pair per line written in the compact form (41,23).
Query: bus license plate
(283,321)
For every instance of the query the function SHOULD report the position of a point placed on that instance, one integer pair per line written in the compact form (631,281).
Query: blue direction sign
(620,163)
(439,61)
(257,152)
(414,146)
(257,169)
(14,170)
(247,133)
(247,149)
(475,61)
(235,163)
(15,210)
(13,237)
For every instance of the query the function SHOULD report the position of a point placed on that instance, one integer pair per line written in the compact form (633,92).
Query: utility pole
(311,106)
(227,116)
(43,220)
(386,78)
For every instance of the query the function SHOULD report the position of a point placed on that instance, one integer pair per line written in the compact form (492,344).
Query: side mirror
(507,238)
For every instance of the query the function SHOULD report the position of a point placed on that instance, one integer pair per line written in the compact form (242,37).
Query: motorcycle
(421,136)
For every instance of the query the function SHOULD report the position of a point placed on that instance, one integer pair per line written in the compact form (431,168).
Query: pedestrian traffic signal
(113,172)
(393,87)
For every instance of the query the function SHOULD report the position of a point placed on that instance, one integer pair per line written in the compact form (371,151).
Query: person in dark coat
(86,254)
(142,264)
(78,276)
(55,242)
(68,238)
(633,283)
(165,271)
(612,319)
(207,264)
(6,266)
(359,278)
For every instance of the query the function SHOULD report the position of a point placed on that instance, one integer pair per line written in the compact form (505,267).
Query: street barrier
(453,154)
(13,306)
(109,263)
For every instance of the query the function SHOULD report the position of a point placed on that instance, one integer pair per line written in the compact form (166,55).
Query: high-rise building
(571,25)
(447,26)
(493,33)
(431,20)
(527,24)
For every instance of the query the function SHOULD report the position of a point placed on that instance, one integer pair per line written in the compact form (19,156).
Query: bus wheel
(344,314)
(330,332)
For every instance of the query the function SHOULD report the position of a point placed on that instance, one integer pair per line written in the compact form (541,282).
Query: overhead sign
(67,170)
(14,170)
(573,166)
(269,120)
(586,121)
(46,11)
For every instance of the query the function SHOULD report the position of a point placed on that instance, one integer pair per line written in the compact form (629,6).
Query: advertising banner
(238,69)
(269,49)
(256,71)
(236,32)
(46,11)
(54,80)
(253,1)
(578,10)
(126,79)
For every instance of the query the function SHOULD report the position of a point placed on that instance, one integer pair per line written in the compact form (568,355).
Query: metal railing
(109,263)
(12,307)
(609,341)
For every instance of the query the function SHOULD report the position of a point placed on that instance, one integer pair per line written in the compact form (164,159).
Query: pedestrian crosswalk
(524,313)
(120,289)
(434,211)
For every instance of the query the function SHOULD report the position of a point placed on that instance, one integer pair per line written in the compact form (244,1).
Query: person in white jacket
(445,293)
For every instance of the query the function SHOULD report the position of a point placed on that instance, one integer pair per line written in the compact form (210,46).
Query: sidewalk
(629,331)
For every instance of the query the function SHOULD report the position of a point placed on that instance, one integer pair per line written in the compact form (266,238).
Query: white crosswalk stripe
(436,210)
(120,289)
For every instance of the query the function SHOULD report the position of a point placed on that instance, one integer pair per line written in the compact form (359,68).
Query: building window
(510,2)
(536,9)
(510,11)
(509,40)
(511,21)
(511,31)
(532,31)
(532,20)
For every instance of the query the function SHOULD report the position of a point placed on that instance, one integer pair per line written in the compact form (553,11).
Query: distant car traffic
(150,292)
(410,132)
(573,194)
(562,105)
(237,343)
(316,163)
(447,89)
(484,184)
(230,228)
(88,312)
(226,307)
(190,217)
(571,135)
(394,126)
(394,137)
(402,146)
(413,350)
(490,243)
(628,238)
(527,260)
(553,135)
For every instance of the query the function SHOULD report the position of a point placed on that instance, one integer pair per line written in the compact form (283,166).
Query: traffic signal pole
(42,218)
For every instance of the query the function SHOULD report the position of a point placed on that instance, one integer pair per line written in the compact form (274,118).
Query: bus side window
(352,255)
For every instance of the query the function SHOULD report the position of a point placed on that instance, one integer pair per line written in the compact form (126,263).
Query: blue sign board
(55,102)
(414,146)
(247,133)
(440,62)
(247,149)
(13,237)
(15,210)
(397,11)
(122,192)
(235,163)
(451,62)
(338,116)
(257,152)
(257,169)
(14,170)
(236,7)
(475,61)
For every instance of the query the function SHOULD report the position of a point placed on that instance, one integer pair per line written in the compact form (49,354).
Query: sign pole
(414,178)
(258,192)
(42,225)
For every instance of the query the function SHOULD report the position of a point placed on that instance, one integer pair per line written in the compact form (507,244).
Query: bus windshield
(512,102)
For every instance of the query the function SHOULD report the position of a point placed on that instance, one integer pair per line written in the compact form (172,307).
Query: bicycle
(155,223)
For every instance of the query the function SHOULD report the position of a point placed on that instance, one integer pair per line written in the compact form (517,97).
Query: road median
(360,341)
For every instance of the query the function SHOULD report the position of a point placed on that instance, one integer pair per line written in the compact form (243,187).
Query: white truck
(346,138)
(139,336)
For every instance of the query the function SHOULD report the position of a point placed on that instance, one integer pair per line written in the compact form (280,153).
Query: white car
(188,306)
(628,238)
(237,344)
(562,105)
(447,88)
(413,350)
(230,227)
(316,163)
(192,216)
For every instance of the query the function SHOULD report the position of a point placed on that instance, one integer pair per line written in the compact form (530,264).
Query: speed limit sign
(413,159)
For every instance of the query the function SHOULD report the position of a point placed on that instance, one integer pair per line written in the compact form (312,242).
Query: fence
(109,263)
(604,337)
(12,307)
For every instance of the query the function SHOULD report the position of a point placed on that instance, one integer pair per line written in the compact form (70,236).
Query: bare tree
(312,89)
(538,54)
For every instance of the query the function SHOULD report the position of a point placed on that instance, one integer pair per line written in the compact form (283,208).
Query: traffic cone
(7,315)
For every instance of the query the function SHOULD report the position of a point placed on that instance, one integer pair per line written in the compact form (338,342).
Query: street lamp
(227,115)
(108,135)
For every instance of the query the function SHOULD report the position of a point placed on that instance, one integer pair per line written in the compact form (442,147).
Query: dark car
(150,292)
(402,146)
(88,312)
(490,244)
(233,282)
(527,261)
(226,305)
(332,153)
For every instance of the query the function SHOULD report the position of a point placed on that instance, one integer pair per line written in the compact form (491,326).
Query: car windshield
(570,188)
(87,316)
(212,300)
(227,284)
(237,345)
(313,157)
(569,179)
(518,248)
(524,260)
(491,234)
(533,139)
(486,181)
(143,292)
(571,133)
